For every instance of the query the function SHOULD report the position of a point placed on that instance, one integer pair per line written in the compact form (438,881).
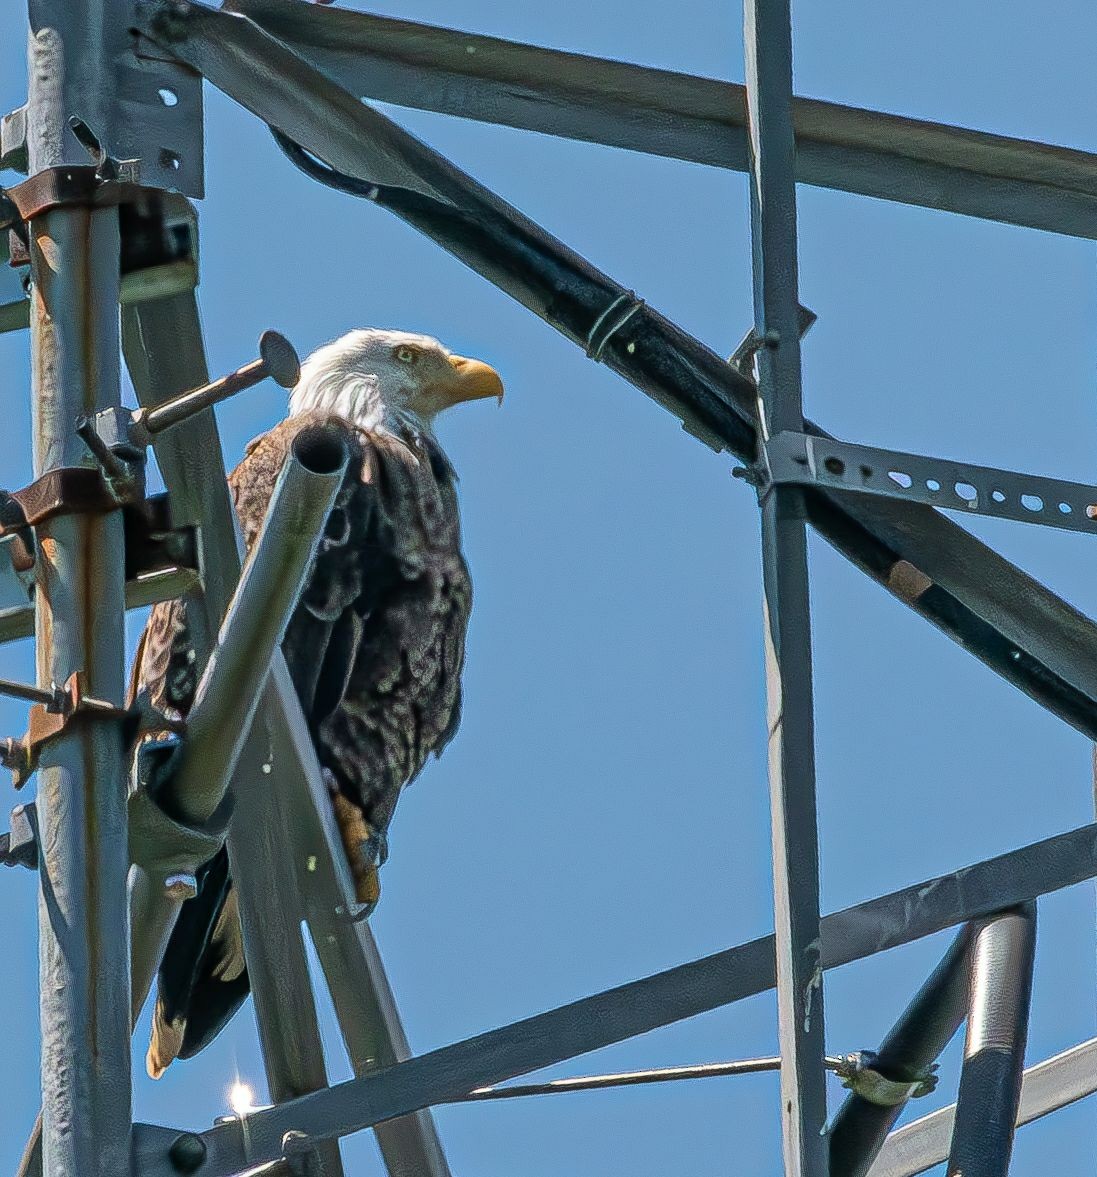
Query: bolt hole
(170,159)
(932,484)
(1066,509)
(997,496)
(901,479)
(167,97)
(1032,502)
(966,491)
(835,466)
(866,472)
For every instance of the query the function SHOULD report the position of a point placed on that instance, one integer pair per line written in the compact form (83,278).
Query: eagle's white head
(389,379)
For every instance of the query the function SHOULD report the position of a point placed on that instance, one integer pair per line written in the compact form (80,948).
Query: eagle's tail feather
(166,1041)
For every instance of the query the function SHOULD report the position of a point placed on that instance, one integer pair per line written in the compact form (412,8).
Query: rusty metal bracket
(71,704)
(73,186)
(68,490)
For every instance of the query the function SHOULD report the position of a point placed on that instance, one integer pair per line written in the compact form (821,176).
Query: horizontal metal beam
(1014,624)
(638,1007)
(1045,1087)
(682,117)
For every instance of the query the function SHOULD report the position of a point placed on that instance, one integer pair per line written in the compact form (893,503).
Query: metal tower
(111,142)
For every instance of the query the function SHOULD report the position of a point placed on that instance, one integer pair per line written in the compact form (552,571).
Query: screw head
(280,357)
(187,1153)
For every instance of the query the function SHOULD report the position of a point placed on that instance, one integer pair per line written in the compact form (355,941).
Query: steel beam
(682,117)
(1009,620)
(1002,956)
(83,963)
(364,1005)
(1052,1084)
(640,1006)
(165,355)
(906,1055)
(767,38)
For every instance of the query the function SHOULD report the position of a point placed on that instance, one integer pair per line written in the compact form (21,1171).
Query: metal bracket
(13,140)
(742,358)
(71,703)
(857,1073)
(19,847)
(807,460)
(76,186)
(67,490)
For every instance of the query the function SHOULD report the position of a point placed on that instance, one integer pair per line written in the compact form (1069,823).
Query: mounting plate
(938,482)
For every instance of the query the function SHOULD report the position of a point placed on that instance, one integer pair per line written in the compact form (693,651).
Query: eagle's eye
(406,355)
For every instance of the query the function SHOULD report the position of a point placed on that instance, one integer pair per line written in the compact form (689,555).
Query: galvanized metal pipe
(79,610)
(229,691)
(923,1030)
(1002,958)
(262,605)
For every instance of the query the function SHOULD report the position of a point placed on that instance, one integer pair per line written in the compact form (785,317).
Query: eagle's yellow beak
(474,381)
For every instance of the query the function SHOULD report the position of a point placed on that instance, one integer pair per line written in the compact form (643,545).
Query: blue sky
(603,812)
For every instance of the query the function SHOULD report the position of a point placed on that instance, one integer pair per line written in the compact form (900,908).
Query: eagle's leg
(365,846)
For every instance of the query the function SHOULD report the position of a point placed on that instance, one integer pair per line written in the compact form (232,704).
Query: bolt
(277,359)
(771,339)
(187,1153)
(300,1155)
(113,467)
(181,887)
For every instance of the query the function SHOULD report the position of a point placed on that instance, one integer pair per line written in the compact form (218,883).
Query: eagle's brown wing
(375,650)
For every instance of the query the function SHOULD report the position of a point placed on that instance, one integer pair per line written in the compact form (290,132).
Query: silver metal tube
(262,605)
(1045,1087)
(229,692)
(79,606)
(1002,957)
(923,1030)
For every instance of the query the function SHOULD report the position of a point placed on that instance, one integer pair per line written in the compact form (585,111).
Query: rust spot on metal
(907,581)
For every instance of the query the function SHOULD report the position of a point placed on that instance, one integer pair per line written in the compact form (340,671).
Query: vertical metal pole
(84,963)
(923,1030)
(994,1052)
(768,42)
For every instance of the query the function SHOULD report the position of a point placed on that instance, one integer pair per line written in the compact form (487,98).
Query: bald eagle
(375,647)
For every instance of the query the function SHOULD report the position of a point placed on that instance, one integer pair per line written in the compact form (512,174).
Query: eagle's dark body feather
(375,651)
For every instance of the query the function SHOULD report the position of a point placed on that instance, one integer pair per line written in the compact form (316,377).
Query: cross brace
(635,1008)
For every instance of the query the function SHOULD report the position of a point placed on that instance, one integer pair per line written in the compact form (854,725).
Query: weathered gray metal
(84,977)
(1049,1085)
(228,695)
(907,1054)
(165,354)
(1002,954)
(1024,632)
(798,458)
(640,1006)
(790,713)
(699,119)
(365,1008)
